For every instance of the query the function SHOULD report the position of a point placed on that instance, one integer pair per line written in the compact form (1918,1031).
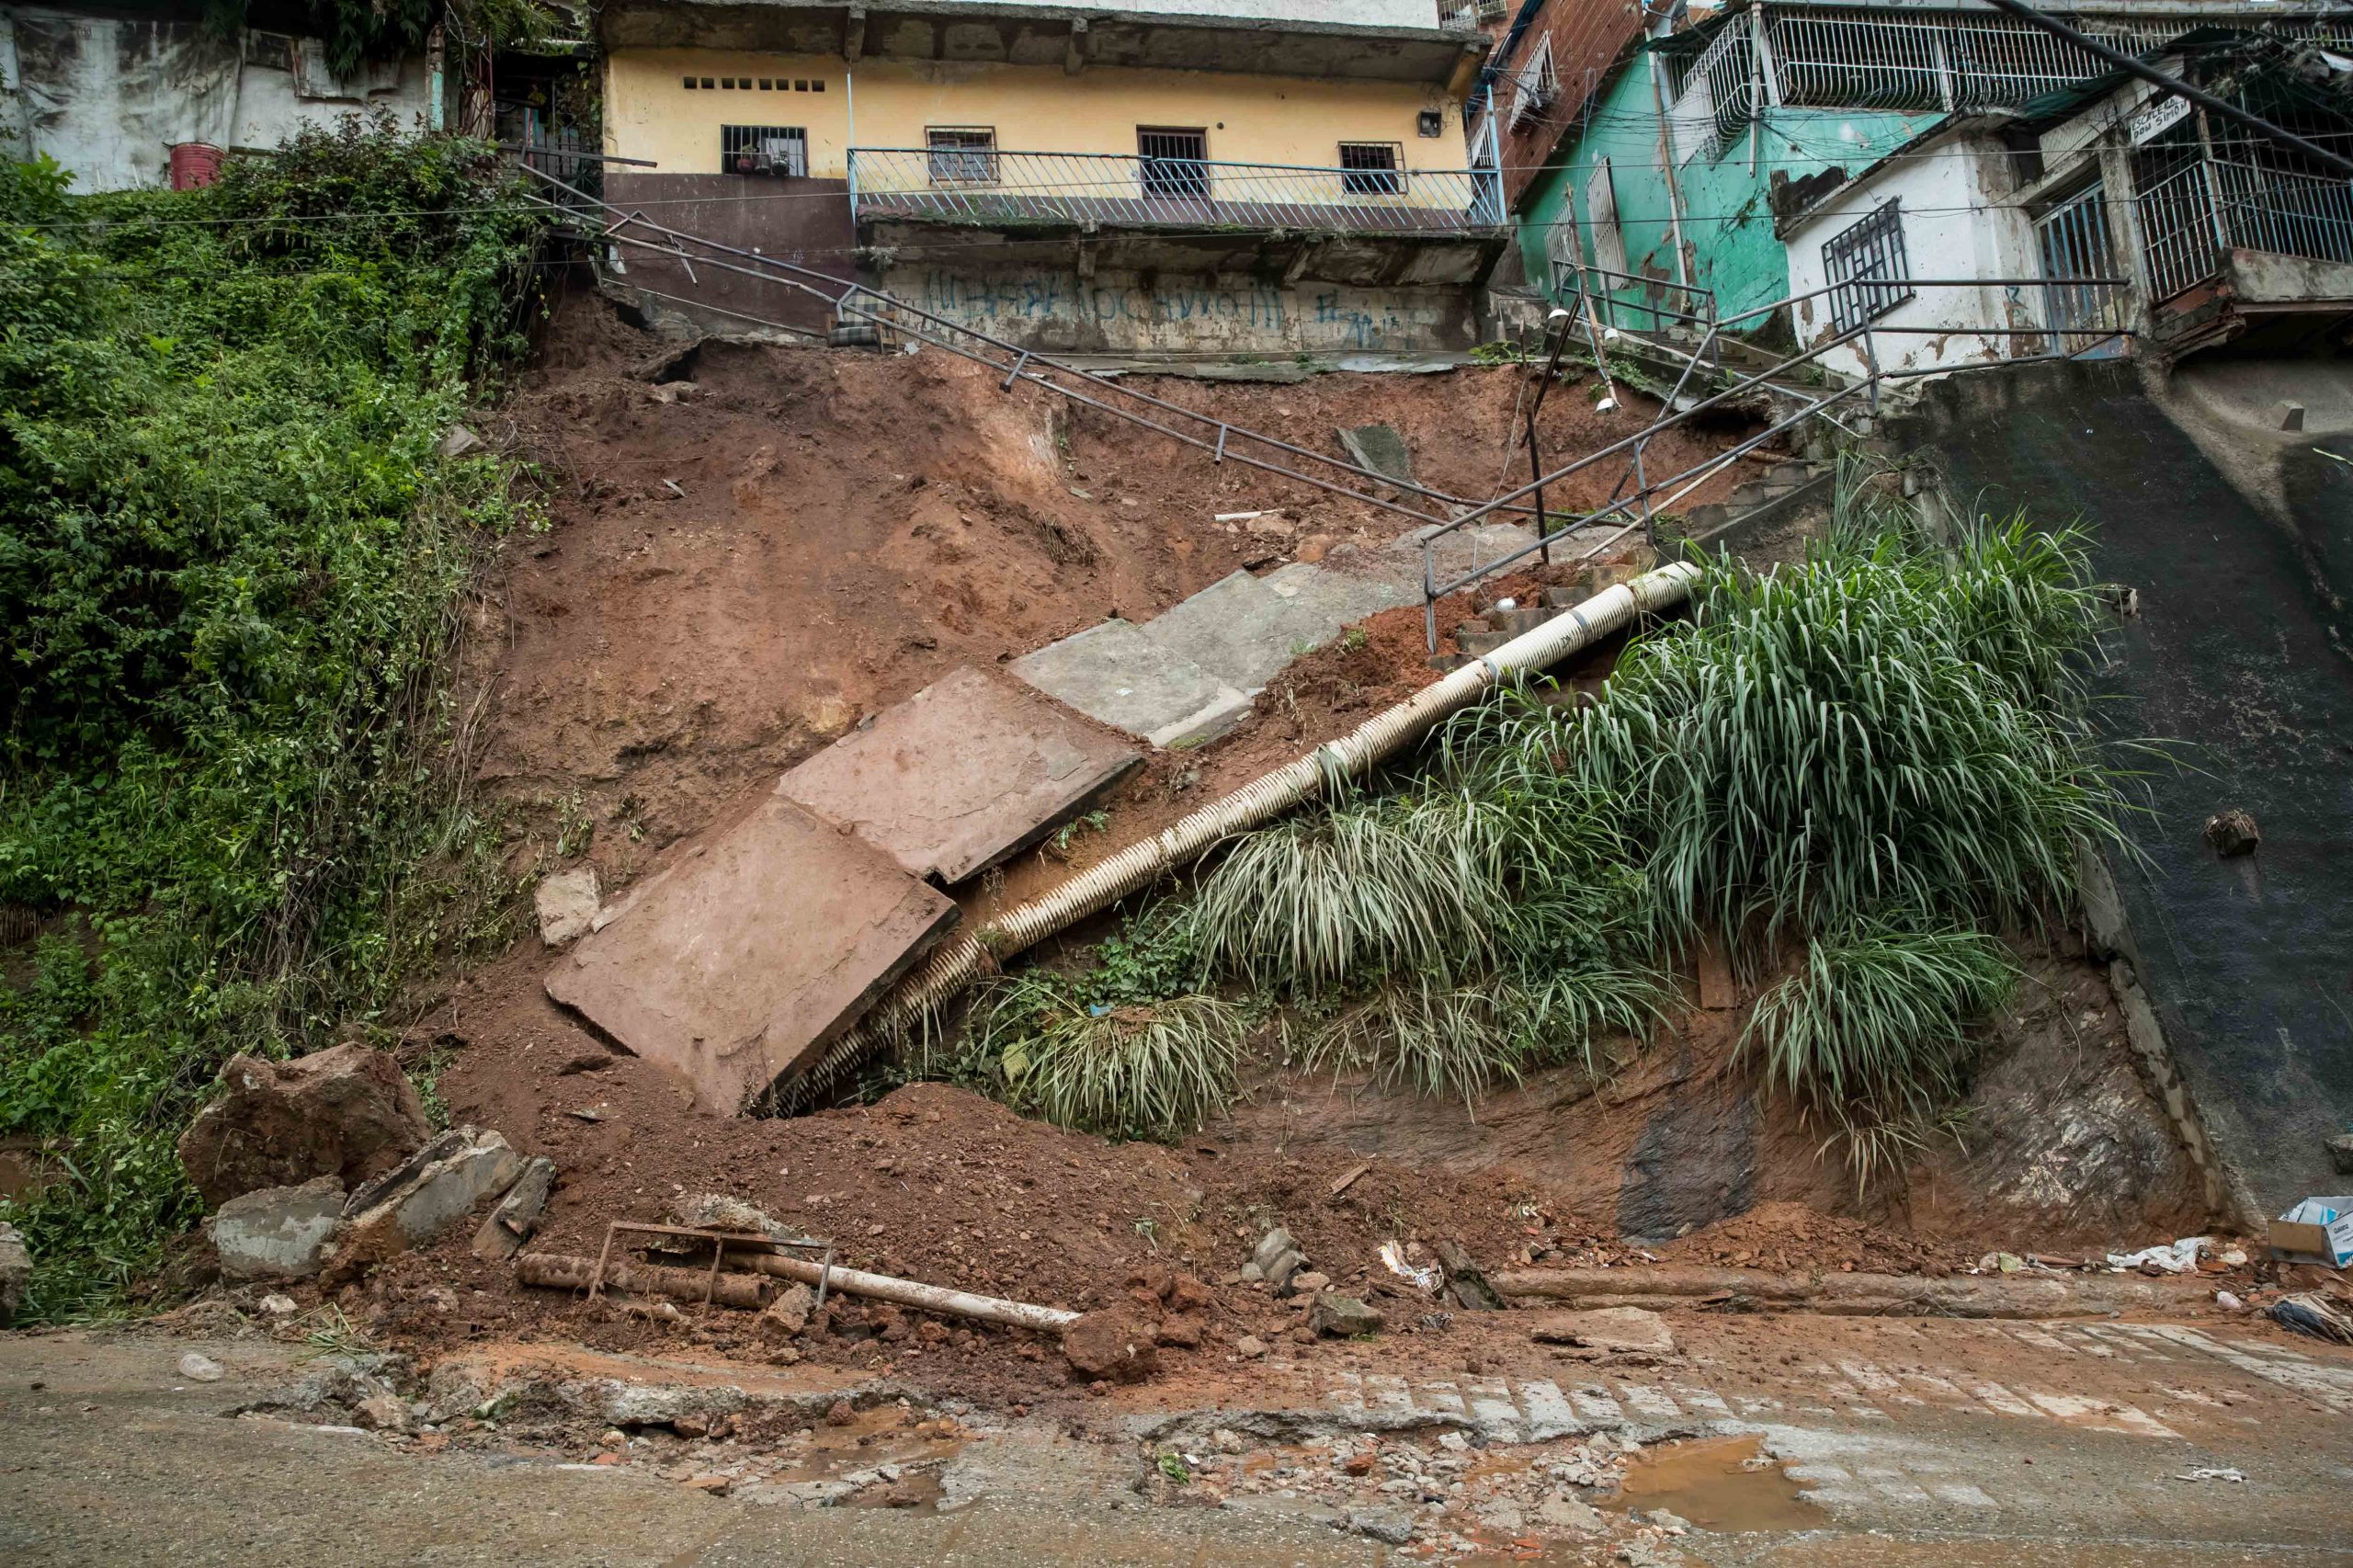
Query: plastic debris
(1394,1256)
(2308,1313)
(2181,1258)
(2227,1301)
(2212,1473)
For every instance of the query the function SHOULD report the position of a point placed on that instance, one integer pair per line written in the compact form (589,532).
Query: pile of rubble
(324,1166)
(1440,1494)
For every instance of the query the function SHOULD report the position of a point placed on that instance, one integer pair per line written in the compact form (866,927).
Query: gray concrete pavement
(1933,1442)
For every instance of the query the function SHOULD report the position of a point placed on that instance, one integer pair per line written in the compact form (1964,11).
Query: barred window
(1869,272)
(962,155)
(1372,168)
(781,149)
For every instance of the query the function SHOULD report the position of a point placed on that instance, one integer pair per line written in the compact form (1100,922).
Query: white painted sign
(2158,117)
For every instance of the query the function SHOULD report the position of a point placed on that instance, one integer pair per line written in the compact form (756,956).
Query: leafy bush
(1870,729)
(231,563)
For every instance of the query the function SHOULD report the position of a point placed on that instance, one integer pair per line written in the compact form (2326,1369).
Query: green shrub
(232,563)
(1875,1032)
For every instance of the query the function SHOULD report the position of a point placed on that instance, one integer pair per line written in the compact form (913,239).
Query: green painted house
(1667,182)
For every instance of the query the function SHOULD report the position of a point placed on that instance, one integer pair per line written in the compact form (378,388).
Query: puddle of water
(883,1435)
(1709,1481)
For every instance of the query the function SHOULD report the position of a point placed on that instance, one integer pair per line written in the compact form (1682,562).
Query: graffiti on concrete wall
(1115,312)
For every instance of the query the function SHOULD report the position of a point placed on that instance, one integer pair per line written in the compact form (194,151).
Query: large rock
(1113,1346)
(567,903)
(345,1112)
(279,1232)
(436,1187)
(1343,1317)
(517,1214)
(16,1270)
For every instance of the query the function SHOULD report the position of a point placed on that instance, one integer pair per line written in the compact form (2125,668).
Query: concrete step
(1567,596)
(1517,621)
(1479,644)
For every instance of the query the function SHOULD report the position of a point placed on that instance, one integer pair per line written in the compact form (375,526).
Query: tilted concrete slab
(1113,673)
(743,960)
(1380,448)
(1246,630)
(962,773)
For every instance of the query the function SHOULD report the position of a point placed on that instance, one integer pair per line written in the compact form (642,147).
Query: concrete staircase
(1493,627)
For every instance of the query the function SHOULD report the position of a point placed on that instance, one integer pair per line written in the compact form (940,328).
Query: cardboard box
(2318,1230)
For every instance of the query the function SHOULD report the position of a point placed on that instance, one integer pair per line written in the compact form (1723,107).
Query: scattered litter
(199,1369)
(2181,1258)
(2308,1313)
(2227,1301)
(672,487)
(1393,1256)
(2212,1473)
(2318,1230)
(1238,516)
(593,1113)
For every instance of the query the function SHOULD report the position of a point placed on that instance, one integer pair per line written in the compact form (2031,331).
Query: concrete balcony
(1094,193)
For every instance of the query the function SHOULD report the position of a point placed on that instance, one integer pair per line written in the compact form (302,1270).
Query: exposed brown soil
(852,526)
(848,527)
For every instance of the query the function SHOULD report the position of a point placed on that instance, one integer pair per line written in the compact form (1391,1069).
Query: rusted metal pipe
(1851,1295)
(559,1271)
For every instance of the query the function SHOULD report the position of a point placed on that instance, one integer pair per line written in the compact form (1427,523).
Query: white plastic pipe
(959,962)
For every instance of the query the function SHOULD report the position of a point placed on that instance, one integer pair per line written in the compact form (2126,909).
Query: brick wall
(1587,37)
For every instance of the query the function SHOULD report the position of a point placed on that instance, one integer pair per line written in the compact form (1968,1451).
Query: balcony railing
(2195,214)
(1016,189)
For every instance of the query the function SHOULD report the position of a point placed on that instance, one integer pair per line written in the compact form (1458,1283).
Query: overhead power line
(2176,86)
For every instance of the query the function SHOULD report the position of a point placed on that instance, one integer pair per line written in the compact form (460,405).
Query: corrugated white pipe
(959,962)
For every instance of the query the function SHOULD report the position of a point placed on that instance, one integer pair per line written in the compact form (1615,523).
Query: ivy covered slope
(231,562)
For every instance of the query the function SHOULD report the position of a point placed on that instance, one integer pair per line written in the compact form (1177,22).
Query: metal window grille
(1372,168)
(2073,241)
(1174,161)
(1826,61)
(1536,85)
(1868,268)
(1719,95)
(962,155)
(1601,209)
(781,149)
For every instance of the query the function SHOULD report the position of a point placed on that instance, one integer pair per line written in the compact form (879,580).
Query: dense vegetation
(231,557)
(1852,774)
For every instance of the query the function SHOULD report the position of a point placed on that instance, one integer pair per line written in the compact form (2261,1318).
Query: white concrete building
(108,95)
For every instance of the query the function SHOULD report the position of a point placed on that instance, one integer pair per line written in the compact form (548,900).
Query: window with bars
(779,150)
(1372,168)
(962,155)
(1174,160)
(2073,238)
(1867,268)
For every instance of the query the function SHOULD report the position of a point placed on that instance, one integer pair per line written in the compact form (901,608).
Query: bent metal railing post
(1010,189)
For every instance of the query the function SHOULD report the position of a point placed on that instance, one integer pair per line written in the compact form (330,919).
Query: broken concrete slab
(566,905)
(439,1185)
(1247,630)
(345,1112)
(1336,1316)
(752,951)
(1380,450)
(1114,673)
(279,1232)
(518,1215)
(970,769)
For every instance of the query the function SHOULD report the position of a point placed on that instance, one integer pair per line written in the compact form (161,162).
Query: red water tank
(194,164)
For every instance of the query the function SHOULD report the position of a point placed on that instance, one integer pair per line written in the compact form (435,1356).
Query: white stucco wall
(108,95)
(1958,223)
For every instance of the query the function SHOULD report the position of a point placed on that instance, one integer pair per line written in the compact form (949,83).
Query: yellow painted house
(1189,175)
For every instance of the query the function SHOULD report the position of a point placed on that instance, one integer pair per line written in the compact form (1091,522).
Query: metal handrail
(1634,444)
(985,186)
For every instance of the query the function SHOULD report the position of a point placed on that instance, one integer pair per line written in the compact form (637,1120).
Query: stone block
(346,1112)
(1113,673)
(277,1233)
